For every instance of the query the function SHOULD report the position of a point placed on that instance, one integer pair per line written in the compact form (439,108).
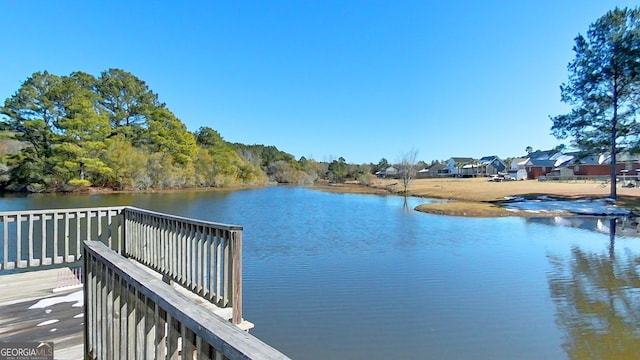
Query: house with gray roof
(492,165)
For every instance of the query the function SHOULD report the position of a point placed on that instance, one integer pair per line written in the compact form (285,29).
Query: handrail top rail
(210,327)
(53,211)
(192,221)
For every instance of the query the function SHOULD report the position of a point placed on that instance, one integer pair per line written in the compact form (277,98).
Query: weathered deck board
(28,307)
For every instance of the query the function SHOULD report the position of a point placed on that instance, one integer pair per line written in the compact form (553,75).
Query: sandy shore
(480,198)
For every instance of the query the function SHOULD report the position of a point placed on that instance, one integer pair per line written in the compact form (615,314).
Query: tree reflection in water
(597,298)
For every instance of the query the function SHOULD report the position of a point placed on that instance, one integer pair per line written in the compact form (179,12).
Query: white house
(456,165)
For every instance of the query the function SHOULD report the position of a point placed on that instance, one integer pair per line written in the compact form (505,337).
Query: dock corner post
(85,295)
(236,275)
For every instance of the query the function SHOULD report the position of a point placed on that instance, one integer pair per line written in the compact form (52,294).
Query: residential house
(389,172)
(518,164)
(470,170)
(541,163)
(431,171)
(517,168)
(492,165)
(539,167)
(600,165)
(575,164)
(544,155)
(422,173)
(456,166)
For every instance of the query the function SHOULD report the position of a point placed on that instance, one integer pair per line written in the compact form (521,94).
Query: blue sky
(364,80)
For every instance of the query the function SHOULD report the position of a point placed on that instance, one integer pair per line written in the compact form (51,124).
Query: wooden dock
(44,305)
(155,285)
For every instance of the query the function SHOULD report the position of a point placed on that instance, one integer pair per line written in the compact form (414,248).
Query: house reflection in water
(624,226)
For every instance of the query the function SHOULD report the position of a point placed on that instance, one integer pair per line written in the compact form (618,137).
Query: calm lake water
(345,276)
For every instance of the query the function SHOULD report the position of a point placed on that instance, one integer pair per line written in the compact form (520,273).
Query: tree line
(62,133)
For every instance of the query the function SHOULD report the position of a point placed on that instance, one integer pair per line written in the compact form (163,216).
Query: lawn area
(481,198)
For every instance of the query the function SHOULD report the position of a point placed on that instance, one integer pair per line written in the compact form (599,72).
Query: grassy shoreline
(477,197)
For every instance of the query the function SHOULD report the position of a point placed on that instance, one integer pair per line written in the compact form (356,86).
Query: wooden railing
(133,315)
(202,256)
(32,239)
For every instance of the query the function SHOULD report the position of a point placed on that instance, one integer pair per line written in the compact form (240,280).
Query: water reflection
(596,298)
(622,226)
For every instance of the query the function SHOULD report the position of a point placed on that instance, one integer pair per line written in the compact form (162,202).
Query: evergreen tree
(604,88)
(127,101)
(83,129)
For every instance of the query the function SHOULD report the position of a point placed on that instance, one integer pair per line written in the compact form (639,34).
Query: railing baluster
(115,316)
(140,325)
(131,322)
(78,231)
(213,272)
(173,334)
(227,269)
(191,264)
(99,223)
(30,240)
(18,242)
(188,342)
(150,329)
(182,243)
(199,261)
(161,333)
(124,318)
(89,338)
(44,260)
(171,248)
(5,243)
(203,350)
(109,314)
(56,259)
(66,238)
(164,268)
(99,311)
(219,273)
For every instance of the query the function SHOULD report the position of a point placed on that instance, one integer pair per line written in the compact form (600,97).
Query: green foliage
(603,87)
(32,114)
(338,169)
(166,134)
(382,164)
(267,154)
(209,138)
(79,183)
(71,132)
(126,99)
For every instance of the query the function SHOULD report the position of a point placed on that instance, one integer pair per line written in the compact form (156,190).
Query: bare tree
(407,168)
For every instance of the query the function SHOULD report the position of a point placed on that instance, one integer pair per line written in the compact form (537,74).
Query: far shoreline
(477,197)
(468,197)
